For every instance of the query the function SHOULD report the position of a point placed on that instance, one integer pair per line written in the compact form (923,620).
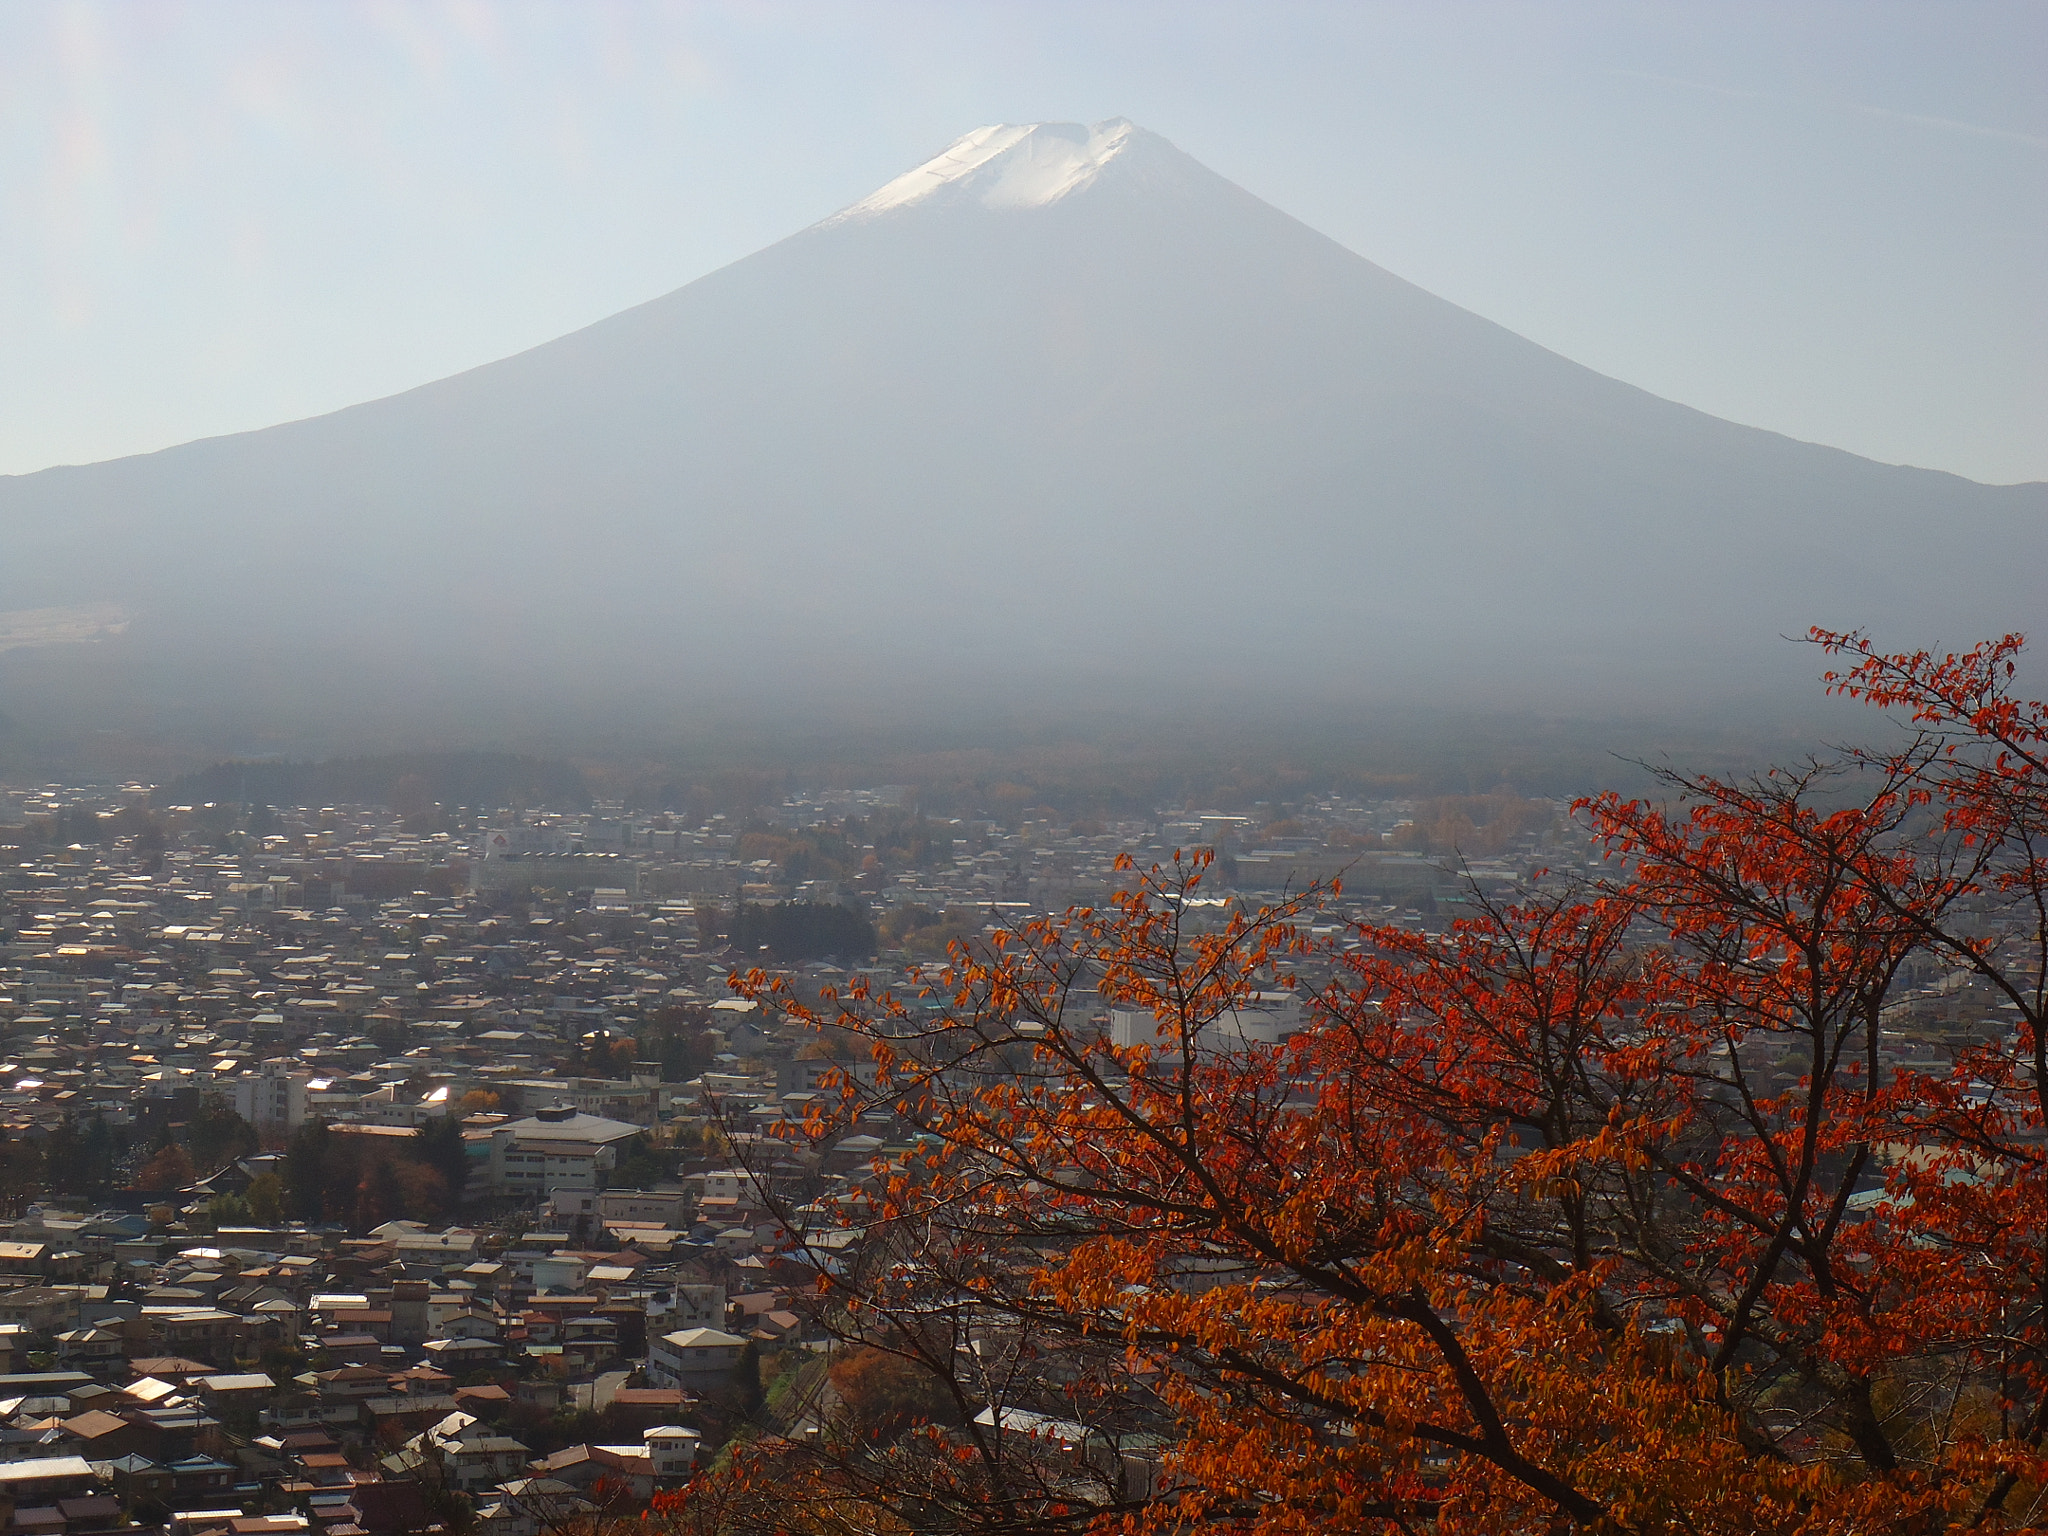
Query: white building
(669,1207)
(518,842)
(1266,1018)
(558,1272)
(730,1189)
(693,1357)
(673,1450)
(272,1096)
(688,1306)
(472,1456)
(554,1150)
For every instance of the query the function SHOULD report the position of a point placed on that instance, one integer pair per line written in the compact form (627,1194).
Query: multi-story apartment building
(274,1095)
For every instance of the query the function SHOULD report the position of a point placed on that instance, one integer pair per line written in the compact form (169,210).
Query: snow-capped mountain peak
(1006,165)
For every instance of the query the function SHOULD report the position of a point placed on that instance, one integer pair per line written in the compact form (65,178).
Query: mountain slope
(1061,410)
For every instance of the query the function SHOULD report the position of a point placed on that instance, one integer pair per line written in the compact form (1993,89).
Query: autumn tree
(380,1195)
(170,1168)
(1075,1185)
(1621,1205)
(883,1394)
(1977,763)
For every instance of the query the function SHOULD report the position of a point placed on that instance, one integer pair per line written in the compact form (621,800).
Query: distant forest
(403,781)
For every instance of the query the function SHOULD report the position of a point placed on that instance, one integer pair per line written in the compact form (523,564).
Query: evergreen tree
(438,1143)
(748,1394)
(100,1149)
(21,1171)
(305,1171)
(217,1135)
(266,1198)
(63,1156)
(380,1198)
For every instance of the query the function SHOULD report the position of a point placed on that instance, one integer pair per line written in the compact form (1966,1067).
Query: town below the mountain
(361,1178)
(369,1171)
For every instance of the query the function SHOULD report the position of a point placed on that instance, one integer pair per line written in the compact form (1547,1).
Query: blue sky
(1824,219)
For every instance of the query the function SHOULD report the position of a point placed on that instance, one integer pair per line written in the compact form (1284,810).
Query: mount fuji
(1058,412)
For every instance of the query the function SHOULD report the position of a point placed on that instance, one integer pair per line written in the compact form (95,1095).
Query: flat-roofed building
(554,1150)
(663,1207)
(273,1096)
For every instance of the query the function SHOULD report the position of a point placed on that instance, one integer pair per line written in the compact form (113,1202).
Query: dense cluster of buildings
(605,1287)
(240,1351)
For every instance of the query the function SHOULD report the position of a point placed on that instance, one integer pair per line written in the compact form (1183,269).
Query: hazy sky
(1823,219)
